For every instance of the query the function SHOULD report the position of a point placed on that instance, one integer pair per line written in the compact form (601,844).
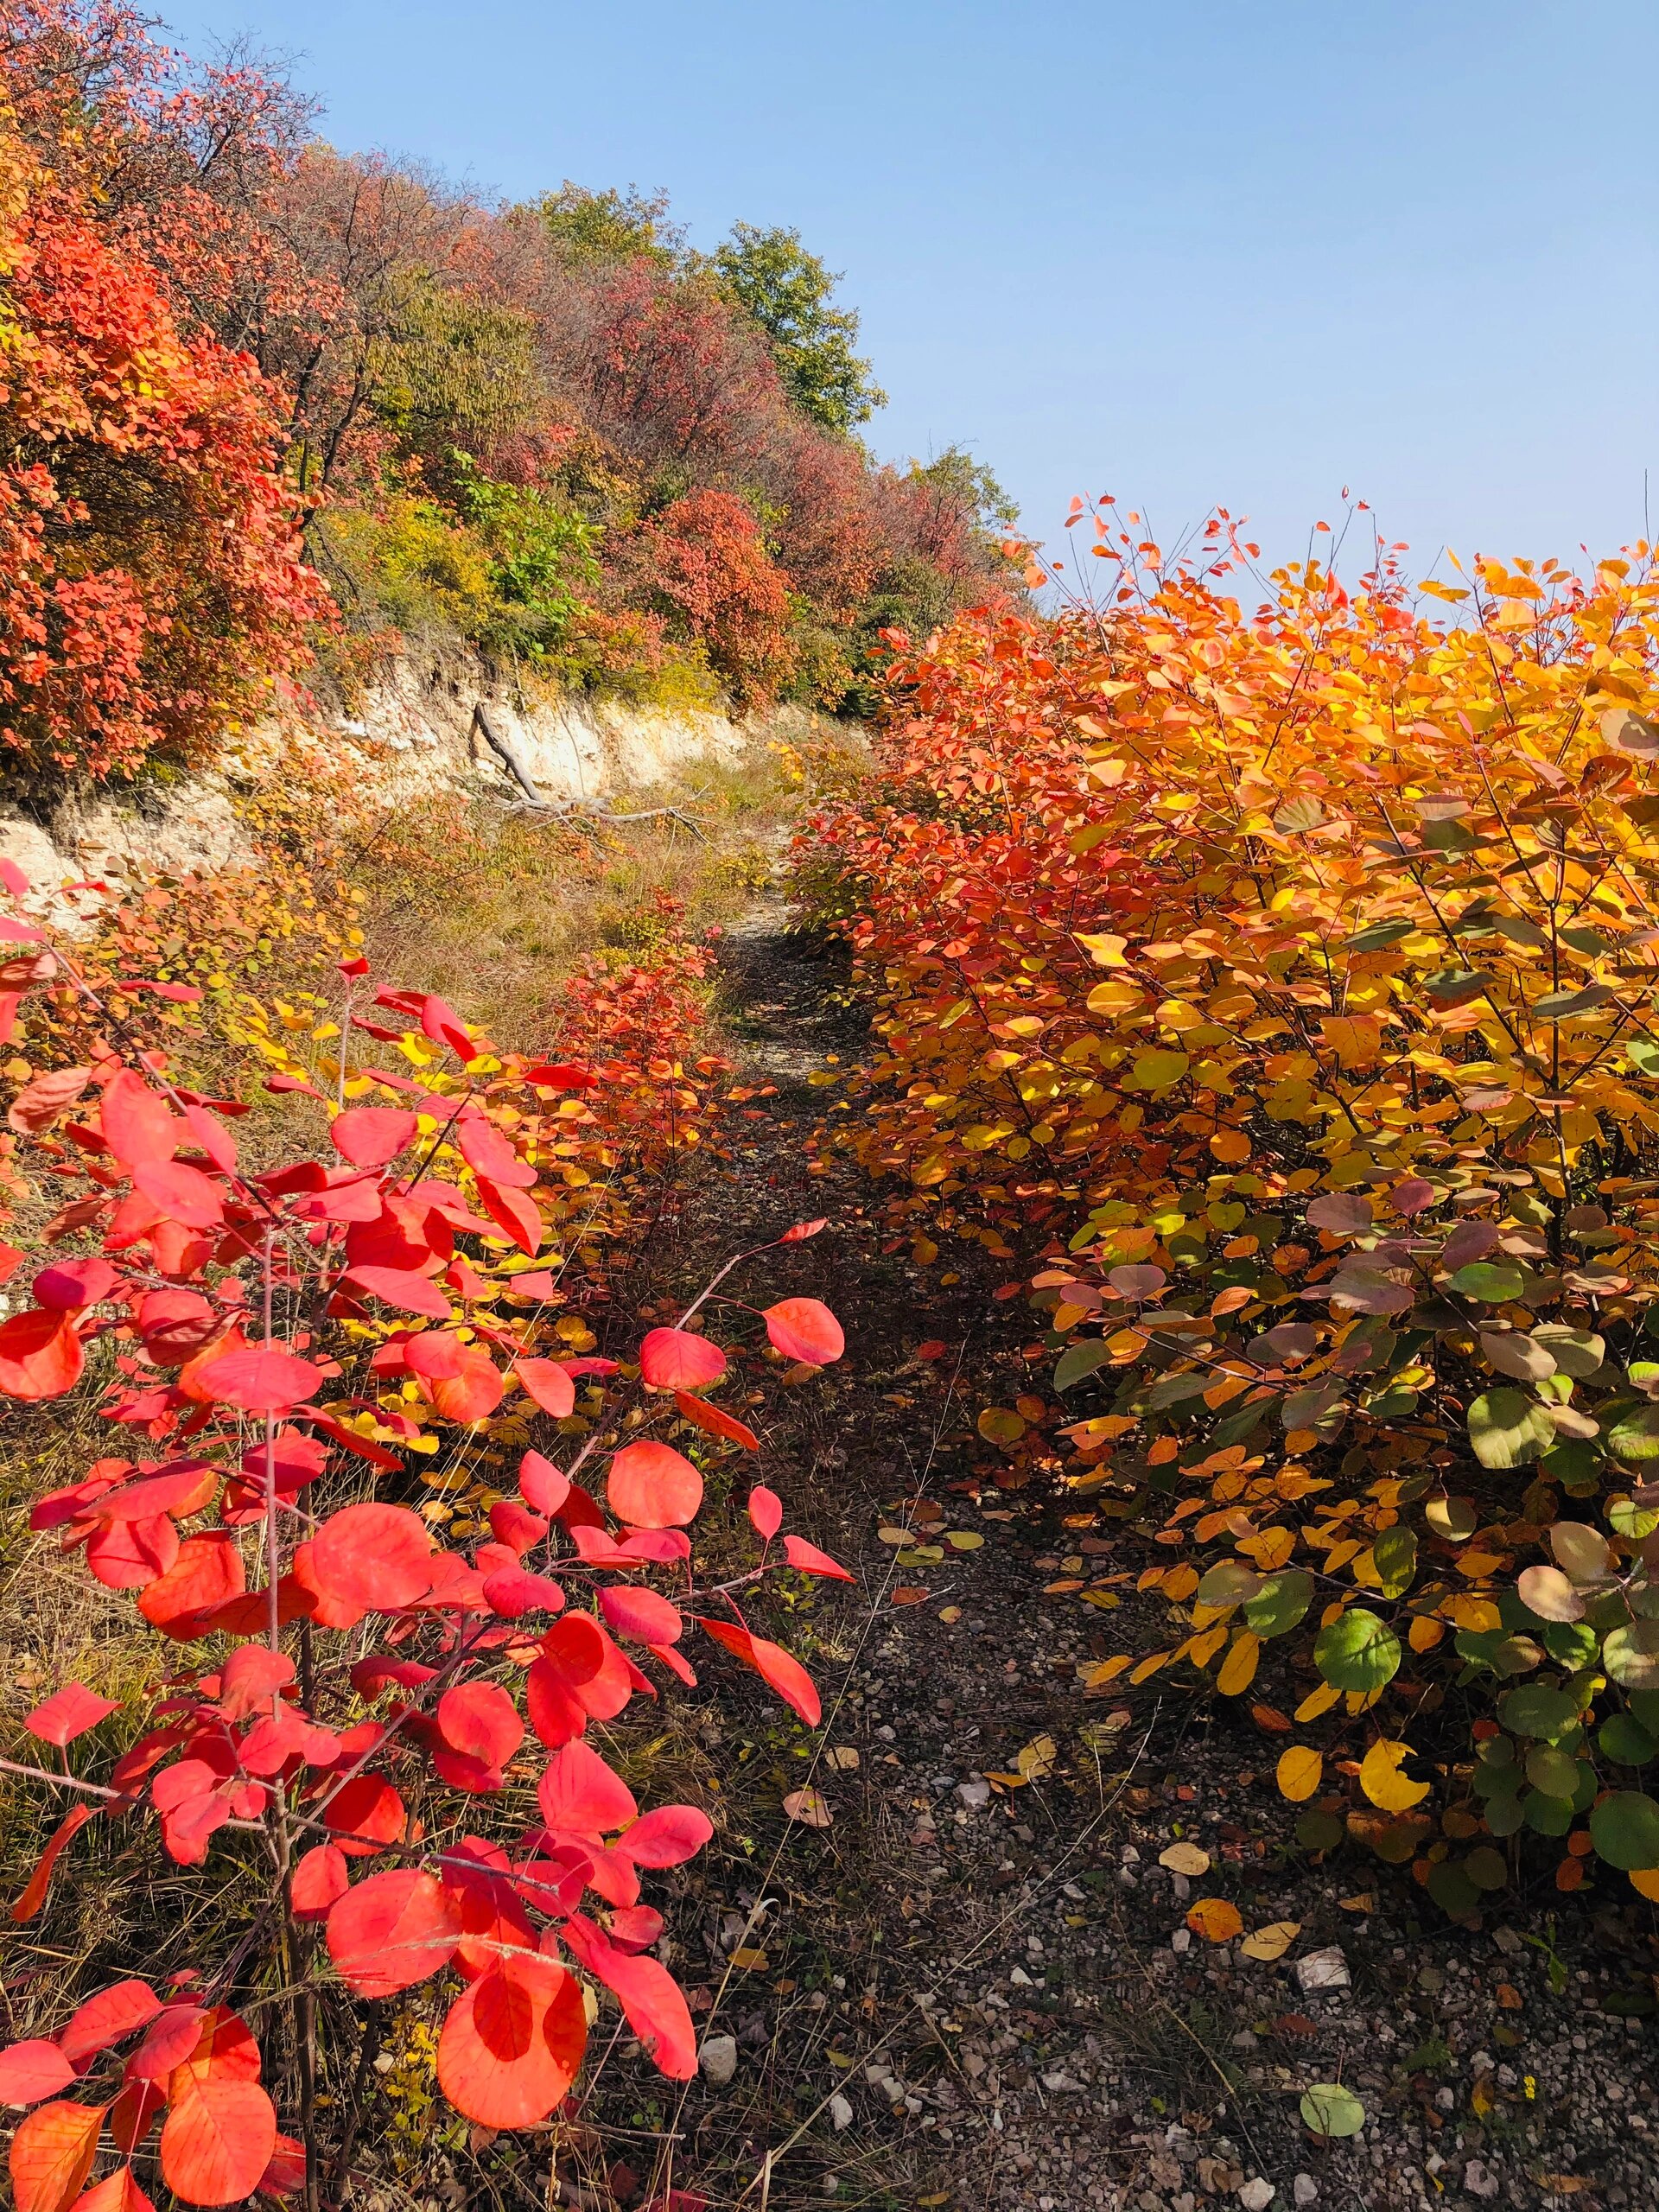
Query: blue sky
(1234,251)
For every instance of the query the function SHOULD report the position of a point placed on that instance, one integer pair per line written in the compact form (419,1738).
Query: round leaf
(1357,1652)
(1332,2111)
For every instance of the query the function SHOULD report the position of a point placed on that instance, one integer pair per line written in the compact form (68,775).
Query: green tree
(612,226)
(788,292)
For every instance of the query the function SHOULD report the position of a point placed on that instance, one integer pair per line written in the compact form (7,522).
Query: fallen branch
(563,809)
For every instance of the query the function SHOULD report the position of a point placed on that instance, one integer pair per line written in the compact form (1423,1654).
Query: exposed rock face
(416,729)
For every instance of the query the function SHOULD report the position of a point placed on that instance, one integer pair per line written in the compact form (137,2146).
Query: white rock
(717,2056)
(1326,1969)
(1181,1940)
(1019,1976)
(1478,2180)
(841,2113)
(1304,2189)
(1059,2081)
(975,1796)
(1256,2196)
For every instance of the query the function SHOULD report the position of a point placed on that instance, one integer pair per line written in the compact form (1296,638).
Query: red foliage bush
(704,558)
(347,1695)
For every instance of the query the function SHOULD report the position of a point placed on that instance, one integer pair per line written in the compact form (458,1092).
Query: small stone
(1326,1969)
(1479,2180)
(1255,2195)
(841,2113)
(1059,2081)
(717,2056)
(975,1796)
(1304,2189)
(1181,1940)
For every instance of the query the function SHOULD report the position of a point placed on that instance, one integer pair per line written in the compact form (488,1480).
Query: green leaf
(1319,1831)
(1452,1890)
(1485,1868)
(1578,1352)
(1495,1282)
(1625,1741)
(1635,1434)
(1280,1603)
(1332,2111)
(1175,1390)
(1357,1651)
(1228,1584)
(1625,1828)
(1556,1772)
(1378,934)
(1080,1359)
(1509,1429)
(1394,1556)
(1628,1519)
(1536,1709)
(1630,1655)
(1643,1053)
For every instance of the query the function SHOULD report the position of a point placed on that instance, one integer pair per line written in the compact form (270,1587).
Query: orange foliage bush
(1285,980)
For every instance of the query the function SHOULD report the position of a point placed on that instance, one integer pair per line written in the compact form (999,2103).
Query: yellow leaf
(1201,1649)
(1037,1758)
(1103,949)
(1271,1941)
(1108,1671)
(1216,1920)
(1380,1777)
(1316,1702)
(1237,1669)
(1299,1772)
(1000,1425)
(1645,1881)
(1185,1859)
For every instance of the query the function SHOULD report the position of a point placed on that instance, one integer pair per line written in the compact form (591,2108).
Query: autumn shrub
(1276,987)
(388,1738)
(148,545)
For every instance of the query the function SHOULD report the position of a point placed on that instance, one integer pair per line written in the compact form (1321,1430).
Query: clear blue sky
(1242,251)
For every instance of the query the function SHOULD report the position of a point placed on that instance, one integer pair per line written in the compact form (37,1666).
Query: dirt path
(960,1993)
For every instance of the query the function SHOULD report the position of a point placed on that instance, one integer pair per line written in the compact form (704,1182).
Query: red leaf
(378,1558)
(31,2070)
(513,1592)
(39,1355)
(249,1678)
(259,1379)
(183,1489)
(512,1525)
(365,1812)
(677,1359)
(714,1420)
(40,1881)
(402,1288)
(549,1384)
(773,1665)
(642,1614)
(135,2112)
(173,2035)
(44,1097)
(801,1231)
(653,1486)
(541,1484)
(579,1794)
(513,1212)
(481,1721)
(52,2154)
(765,1512)
(69,1284)
(512,2044)
(462,1381)
(392,1930)
(285,2175)
(117,2192)
(319,1880)
(373,1136)
(208,1572)
(489,1155)
(217,2140)
(666,1836)
(184,1194)
(812,1560)
(805,1329)
(560,1075)
(111,2017)
(224,2050)
(633,1928)
(136,1123)
(654,2006)
(69,1713)
(131,1555)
